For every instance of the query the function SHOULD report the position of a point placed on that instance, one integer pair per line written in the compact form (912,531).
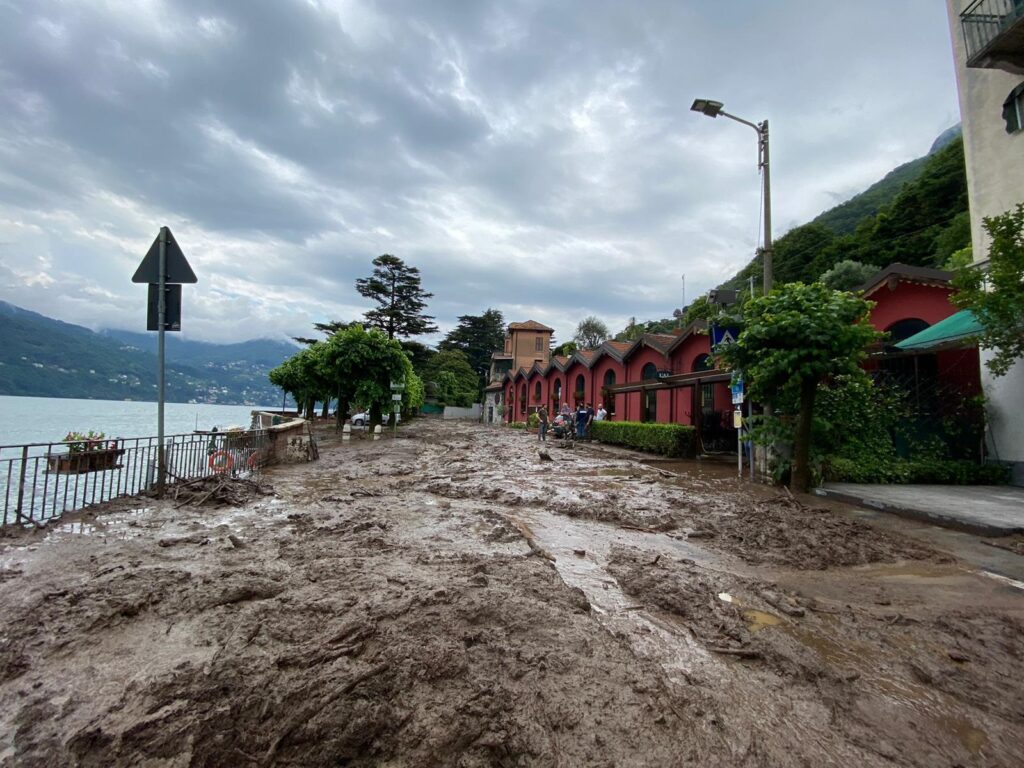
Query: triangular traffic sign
(178,269)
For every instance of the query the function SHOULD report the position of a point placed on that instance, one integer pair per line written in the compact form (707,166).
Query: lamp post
(714,109)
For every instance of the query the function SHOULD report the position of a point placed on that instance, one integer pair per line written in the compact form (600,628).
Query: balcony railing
(994,34)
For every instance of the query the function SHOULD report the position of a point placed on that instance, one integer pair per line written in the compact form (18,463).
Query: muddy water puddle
(581,550)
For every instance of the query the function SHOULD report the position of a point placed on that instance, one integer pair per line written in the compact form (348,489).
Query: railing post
(21,482)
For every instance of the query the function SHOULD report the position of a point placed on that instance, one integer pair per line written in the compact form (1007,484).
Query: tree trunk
(375,414)
(800,479)
(326,409)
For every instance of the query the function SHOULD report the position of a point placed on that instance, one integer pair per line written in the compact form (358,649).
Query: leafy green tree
(419,355)
(301,377)
(327,329)
(591,333)
(792,339)
(401,300)
(453,380)
(996,295)
(477,336)
(847,275)
(959,259)
(361,364)
(955,237)
(565,349)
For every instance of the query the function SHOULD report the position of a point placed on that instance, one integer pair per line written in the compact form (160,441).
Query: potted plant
(87,452)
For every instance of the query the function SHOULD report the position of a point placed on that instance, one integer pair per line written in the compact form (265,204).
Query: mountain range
(43,357)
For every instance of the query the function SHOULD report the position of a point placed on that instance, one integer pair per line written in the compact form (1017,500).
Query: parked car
(363,418)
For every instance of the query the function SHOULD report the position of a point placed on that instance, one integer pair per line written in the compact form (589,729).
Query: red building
(670,378)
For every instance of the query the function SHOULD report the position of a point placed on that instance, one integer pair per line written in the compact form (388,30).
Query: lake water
(44,419)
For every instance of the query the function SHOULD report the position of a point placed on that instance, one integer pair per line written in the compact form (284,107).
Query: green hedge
(667,439)
(923,470)
(518,425)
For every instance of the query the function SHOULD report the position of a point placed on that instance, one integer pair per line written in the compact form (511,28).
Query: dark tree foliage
(565,349)
(477,336)
(590,333)
(419,355)
(327,329)
(451,380)
(400,299)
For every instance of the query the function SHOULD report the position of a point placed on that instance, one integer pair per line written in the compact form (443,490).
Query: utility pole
(762,143)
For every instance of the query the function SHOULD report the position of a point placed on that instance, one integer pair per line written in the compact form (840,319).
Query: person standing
(582,417)
(590,418)
(601,414)
(542,432)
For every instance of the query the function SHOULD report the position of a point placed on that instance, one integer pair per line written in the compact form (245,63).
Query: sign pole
(161,475)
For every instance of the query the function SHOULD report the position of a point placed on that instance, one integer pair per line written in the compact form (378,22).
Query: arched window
(649,372)
(609,398)
(702,363)
(557,392)
(536,392)
(580,393)
(522,398)
(904,329)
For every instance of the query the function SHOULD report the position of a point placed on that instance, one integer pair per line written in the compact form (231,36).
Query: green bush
(533,421)
(518,425)
(928,469)
(666,439)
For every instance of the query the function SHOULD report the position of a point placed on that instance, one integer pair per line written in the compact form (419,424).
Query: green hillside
(42,357)
(924,223)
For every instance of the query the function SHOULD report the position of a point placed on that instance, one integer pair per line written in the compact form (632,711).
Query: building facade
(988,51)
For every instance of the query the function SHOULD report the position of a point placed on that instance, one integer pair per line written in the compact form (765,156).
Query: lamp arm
(755,126)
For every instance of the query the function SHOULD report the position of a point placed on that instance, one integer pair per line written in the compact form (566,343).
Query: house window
(557,390)
(536,391)
(538,343)
(650,405)
(1013,110)
(702,363)
(581,388)
(522,399)
(649,372)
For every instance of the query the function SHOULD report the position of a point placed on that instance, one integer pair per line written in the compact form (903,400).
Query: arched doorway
(650,396)
(556,395)
(580,392)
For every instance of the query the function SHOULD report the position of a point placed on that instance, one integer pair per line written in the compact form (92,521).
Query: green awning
(959,330)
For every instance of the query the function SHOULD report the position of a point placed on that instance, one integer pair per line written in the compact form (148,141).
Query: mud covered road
(448,598)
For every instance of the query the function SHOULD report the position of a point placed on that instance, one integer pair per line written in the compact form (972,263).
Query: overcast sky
(537,156)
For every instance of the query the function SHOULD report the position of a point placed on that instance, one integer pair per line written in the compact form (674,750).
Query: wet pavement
(996,510)
(446,597)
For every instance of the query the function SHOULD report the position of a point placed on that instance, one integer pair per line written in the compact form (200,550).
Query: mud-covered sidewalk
(446,597)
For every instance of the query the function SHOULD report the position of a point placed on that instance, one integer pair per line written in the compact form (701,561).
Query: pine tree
(396,289)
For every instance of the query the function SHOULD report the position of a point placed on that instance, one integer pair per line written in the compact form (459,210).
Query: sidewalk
(987,510)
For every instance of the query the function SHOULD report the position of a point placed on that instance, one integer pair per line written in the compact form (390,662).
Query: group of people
(567,420)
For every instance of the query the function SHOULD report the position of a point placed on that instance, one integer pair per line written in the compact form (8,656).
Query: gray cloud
(533,156)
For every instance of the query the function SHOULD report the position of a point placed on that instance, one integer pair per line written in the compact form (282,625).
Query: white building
(988,48)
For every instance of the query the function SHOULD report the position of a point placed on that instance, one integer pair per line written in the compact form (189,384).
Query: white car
(362,419)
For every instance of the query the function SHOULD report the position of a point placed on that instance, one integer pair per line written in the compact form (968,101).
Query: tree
(301,377)
(996,295)
(328,329)
(565,349)
(792,339)
(401,301)
(591,333)
(453,380)
(477,336)
(847,275)
(361,364)
(419,355)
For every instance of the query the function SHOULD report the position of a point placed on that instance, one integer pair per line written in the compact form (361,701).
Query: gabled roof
(539,367)
(617,350)
(522,372)
(494,386)
(685,333)
(500,356)
(561,362)
(529,325)
(586,356)
(896,273)
(659,342)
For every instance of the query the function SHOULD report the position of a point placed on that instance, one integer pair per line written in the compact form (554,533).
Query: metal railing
(41,481)
(984,20)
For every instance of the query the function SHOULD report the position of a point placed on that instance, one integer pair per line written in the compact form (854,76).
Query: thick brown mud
(446,598)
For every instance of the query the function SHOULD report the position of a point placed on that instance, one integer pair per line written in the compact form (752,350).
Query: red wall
(604,364)
(928,303)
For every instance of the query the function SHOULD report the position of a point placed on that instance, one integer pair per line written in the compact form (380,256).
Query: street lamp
(714,109)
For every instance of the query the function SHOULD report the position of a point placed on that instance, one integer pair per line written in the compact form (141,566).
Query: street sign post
(164,267)
(724,334)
